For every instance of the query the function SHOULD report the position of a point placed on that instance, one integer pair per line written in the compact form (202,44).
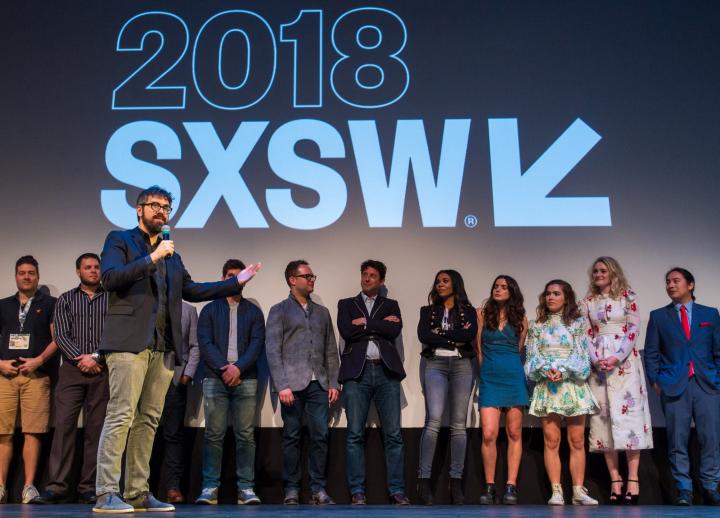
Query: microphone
(165,230)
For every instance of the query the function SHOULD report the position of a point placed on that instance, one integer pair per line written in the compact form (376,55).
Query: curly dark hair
(514,307)
(570,311)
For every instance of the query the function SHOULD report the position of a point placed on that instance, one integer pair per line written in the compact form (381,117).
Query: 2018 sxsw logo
(234,61)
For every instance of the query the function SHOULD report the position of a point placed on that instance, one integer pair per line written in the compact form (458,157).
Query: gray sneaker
(111,503)
(3,495)
(147,502)
(248,497)
(209,496)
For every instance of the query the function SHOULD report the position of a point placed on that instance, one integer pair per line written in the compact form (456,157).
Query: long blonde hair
(618,283)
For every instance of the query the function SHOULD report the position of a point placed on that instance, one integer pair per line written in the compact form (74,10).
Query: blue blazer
(668,352)
(127,274)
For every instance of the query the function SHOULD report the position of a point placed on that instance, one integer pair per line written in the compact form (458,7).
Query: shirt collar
(38,295)
(366,298)
(98,291)
(688,306)
(146,238)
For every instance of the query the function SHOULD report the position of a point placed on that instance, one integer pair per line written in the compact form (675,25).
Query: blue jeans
(374,384)
(313,401)
(446,378)
(239,402)
(693,404)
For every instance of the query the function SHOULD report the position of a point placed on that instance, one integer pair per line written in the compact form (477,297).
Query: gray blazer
(298,345)
(191,354)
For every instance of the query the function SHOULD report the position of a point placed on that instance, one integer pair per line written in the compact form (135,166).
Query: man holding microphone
(142,342)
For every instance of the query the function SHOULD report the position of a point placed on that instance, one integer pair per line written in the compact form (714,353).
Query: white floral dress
(624,419)
(554,345)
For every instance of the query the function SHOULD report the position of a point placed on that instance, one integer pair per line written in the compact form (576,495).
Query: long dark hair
(570,311)
(461,298)
(514,307)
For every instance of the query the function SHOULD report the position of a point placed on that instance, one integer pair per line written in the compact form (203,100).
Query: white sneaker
(557,497)
(29,493)
(581,497)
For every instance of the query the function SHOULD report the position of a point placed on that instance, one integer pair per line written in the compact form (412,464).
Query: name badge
(19,342)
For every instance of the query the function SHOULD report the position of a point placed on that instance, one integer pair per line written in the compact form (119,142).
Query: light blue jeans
(446,380)
(239,403)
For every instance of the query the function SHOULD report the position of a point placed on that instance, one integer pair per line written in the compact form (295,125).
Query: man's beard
(89,283)
(153,225)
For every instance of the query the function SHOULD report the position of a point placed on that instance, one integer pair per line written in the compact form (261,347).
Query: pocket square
(705,324)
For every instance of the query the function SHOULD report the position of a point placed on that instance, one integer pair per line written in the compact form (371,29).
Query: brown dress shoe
(175,496)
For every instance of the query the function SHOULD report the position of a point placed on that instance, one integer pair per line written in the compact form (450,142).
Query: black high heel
(631,499)
(616,498)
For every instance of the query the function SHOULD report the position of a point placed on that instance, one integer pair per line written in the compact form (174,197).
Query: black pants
(173,422)
(76,391)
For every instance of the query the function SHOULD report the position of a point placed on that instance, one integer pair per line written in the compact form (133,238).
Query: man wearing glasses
(303,358)
(141,343)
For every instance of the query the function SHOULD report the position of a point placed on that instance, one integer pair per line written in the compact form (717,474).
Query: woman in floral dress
(618,378)
(558,361)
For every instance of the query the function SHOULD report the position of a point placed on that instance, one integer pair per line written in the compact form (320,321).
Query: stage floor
(379,511)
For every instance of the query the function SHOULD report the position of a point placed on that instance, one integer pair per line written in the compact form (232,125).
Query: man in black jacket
(142,341)
(371,369)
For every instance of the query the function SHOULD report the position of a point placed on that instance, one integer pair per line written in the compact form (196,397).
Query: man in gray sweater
(303,358)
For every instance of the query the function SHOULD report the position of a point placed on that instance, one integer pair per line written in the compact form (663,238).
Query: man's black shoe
(88,497)
(50,497)
(711,497)
(684,498)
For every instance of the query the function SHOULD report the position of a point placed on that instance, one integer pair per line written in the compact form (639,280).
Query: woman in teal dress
(503,326)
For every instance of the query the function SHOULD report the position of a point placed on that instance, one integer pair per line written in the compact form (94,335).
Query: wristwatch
(98,357)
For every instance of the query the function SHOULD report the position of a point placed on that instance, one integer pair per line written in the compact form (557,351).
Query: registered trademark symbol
(471,221)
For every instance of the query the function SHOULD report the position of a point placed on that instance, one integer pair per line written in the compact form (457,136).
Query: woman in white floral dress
(618,378)
(558,361)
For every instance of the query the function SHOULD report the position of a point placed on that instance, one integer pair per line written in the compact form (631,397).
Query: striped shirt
(79,321)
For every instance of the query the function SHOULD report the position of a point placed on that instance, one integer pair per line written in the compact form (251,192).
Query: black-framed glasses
(310,277)
(156,207)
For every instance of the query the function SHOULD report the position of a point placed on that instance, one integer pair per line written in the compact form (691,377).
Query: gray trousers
(138,384)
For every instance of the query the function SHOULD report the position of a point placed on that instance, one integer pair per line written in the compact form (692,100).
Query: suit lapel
(360,303)
(379,301)
(697,317)
(139,241)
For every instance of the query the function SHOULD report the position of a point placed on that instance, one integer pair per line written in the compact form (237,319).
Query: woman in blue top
(502,328)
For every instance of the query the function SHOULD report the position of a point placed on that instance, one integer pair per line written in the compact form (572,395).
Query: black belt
(374,362)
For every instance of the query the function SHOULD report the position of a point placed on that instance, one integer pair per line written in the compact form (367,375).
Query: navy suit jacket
(384,332)
(668,351)
(213,334)
(127,273)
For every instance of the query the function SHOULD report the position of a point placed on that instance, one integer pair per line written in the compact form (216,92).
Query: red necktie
(686,327)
